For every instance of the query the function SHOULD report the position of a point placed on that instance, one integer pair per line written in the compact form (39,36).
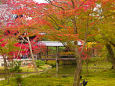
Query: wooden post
(33,60)
(47,53)
(56,59)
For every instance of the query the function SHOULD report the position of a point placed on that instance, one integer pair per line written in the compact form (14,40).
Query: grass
(28,68)
(105,78)
(31,69)
(100,74)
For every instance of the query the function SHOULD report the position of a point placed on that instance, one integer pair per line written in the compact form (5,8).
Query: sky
(40,1)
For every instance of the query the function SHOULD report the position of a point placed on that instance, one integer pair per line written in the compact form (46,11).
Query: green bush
(95,59)
(40,63)
(15,66)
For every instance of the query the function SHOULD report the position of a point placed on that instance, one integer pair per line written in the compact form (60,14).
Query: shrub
(95,59)
(40,63)
(15,66)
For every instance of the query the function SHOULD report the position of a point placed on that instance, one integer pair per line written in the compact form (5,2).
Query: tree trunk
(19,84)
(33,60)
(6,68)
(113,65)
(5,63)
(87,66)
(77,70)
(111,55)
(77,73)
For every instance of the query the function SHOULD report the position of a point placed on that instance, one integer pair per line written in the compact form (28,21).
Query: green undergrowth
(103,78)
(28,68)
(99,74)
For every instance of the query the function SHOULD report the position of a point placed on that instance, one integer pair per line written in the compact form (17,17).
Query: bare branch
(54,21)
(73,3)
(49,1)
(82,3)
(112,43)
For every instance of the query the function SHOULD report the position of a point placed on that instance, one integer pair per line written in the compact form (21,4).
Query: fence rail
(58,58)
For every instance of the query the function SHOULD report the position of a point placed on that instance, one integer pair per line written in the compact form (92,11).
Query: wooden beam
(58,59)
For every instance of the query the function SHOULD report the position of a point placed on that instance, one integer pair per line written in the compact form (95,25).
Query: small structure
(56,44)
(52,43)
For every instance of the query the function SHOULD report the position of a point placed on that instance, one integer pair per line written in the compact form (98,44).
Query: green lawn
(102,76)
(105,78)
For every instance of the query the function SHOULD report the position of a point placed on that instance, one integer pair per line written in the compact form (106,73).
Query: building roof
(51,43)
(54,43)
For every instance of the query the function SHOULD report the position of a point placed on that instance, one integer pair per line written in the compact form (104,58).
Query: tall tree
(106,28)
(21,27)
(63,20)
(72,20)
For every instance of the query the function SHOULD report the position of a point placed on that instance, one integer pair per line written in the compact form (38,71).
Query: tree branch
(49,1)
(112,43)
(54,21)
(73,3)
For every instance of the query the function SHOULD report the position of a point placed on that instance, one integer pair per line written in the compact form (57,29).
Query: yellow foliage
(90,44)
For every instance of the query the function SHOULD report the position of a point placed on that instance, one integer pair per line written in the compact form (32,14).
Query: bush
(40,63)
(15,66)
(95,59)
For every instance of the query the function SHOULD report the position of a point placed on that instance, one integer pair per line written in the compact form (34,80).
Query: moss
(96,77)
